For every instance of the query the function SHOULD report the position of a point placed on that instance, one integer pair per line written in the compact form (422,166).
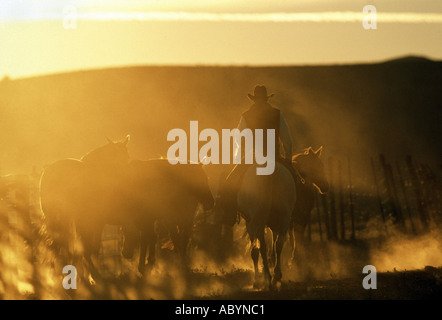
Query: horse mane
(306,152)
(296,156)
(109,154)
(95,155)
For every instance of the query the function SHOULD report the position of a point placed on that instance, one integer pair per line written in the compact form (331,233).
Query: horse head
(110,155)
(311,168)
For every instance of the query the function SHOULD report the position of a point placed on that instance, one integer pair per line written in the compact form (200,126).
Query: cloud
(277,17)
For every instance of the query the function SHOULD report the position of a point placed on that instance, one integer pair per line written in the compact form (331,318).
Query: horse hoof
(142,269)
(276,284)
(258,284)
(277,277)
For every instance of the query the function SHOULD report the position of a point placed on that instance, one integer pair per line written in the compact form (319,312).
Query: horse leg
(143,249)
(185,238)
(147,240)
(255,258)
(131,240)
(90,250)
(265,261)
(180,240)
(273,255)
(279,244)
(151,239)
(299,245)
(292,240)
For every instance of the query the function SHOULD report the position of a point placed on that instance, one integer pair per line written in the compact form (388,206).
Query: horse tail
(57,199)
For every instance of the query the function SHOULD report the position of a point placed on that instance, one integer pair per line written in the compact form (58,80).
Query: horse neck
(301,180)
(99,158)
(93,157)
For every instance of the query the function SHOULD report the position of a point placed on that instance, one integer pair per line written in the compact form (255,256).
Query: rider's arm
(286,137)
(241,126)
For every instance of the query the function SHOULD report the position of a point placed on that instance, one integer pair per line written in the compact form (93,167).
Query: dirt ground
(397,285)
(408,267)
(322,278)
(416,284)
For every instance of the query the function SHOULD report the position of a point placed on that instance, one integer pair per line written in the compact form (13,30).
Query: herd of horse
(80,196)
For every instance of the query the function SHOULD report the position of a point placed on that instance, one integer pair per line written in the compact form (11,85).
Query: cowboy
(261,115)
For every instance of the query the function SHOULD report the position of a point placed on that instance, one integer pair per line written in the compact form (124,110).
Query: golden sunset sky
(41,37)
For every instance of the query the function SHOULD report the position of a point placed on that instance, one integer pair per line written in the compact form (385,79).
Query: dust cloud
(354,112)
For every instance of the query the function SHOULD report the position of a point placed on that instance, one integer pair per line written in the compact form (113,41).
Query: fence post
(318,214)
(399,217)
(418,193)
(381,207)
(433,187)
(326,215)
(389,187)
(404,193)
(331,192)
(341,201)
(430,192)
(350,193)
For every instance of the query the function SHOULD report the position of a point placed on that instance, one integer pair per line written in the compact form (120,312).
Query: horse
(168,194)
(266,201)
(311,179)
(80,195)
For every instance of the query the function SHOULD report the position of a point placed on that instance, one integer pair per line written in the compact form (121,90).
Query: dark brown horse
(311,179)
(164,193)
(82,194)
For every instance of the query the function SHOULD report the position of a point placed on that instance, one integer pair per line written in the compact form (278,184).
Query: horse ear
(126,141)
(318,152)
(308,150)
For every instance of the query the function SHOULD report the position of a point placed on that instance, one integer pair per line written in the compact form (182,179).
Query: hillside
(352,110)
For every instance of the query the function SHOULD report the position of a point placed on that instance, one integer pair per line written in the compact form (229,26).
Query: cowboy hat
(260,93)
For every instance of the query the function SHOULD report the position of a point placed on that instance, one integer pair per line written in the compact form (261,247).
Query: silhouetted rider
(261,115)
